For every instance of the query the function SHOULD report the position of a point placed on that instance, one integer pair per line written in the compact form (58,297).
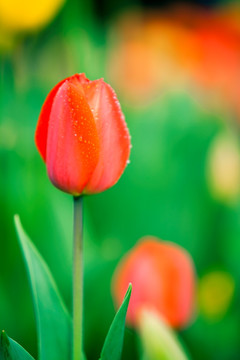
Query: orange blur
(184,48)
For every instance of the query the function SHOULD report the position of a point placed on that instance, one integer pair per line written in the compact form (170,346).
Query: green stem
(78,279)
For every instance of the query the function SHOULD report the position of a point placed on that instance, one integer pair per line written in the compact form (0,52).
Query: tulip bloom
(162,278)
(82,136)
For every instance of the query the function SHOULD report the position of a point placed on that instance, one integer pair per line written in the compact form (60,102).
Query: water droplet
(80,138)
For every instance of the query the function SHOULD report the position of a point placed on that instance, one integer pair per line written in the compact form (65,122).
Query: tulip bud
(82,136)
(162,277)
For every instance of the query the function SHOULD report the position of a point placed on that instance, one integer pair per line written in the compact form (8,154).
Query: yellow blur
(216,291)
(27,15)
(223,168)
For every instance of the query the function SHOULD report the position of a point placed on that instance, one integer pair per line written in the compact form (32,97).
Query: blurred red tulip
(162,276)
(82,136)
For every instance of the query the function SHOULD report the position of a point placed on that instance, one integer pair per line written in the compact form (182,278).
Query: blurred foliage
(166,190)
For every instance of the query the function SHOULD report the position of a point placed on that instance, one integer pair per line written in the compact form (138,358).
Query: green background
(163,191)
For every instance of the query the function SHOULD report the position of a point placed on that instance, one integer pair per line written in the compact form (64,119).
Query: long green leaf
(112,348)
(11,350)
(54,324)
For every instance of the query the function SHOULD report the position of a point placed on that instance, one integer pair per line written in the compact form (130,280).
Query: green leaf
(11,350)
(112,348)
(54,326)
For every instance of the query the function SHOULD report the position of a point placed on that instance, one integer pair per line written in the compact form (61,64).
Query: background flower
(162,277)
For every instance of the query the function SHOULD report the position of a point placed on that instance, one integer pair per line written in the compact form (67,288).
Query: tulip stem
(78,279)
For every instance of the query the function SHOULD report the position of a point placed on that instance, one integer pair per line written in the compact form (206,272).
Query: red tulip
(82,136)
(162,278)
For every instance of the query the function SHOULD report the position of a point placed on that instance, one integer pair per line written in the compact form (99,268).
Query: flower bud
(82,136)
(162,277)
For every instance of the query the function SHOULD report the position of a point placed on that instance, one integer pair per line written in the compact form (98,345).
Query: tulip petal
(42,125)
(72,140)
(113,134)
